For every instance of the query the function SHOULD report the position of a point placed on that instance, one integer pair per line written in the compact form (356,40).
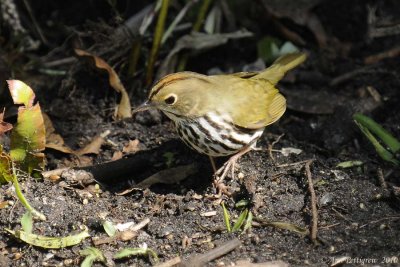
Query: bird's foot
(222,189)
(222,172)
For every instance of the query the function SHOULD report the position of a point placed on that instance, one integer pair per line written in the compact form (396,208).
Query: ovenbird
(221,115)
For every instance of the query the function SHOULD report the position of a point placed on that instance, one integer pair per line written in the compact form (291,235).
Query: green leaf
(169,158)
(240,220)
(249,221)
(27,222)
(50,242)
(128,252)
(227,218)
(268,48)
(242,203)
(109,228)
(28,138)
(91,255)
(21,93)
(349,164)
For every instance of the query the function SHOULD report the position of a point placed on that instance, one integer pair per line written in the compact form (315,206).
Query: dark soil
(357,216)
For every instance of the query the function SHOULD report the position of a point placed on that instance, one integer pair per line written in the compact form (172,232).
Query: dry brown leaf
(4,126)
(3,204)
(54,140)
(94,146)
(117,155)
(82,161)
(131,147)
(123,110)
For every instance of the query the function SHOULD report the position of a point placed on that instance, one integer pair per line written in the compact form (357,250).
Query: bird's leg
(230,165)
(221,187)
(213,164)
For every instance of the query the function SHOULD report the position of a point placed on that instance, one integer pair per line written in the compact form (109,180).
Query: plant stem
(157,41)
(22,198)
(196,27)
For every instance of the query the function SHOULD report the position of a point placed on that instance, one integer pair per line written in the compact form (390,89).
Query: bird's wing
(251,104)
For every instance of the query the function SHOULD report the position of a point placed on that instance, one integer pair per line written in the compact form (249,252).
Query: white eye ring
(171,99)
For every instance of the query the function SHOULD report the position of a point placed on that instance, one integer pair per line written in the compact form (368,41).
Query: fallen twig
(126,235)
(169,263)
(294,164)
(202,259)
(381,178)
(349,75)
(393,52)
(314,226)
(281,225)
(394,217)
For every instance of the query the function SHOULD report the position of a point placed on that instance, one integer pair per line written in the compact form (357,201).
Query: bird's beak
(145,106)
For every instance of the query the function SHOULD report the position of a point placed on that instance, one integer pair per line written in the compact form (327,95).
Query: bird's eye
(170,100)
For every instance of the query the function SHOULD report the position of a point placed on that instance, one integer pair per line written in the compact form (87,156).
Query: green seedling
(27,222)
(47,241)
(128,252)
(110,229)
(169,158)
(350,164)
(28,140)
(244,220)
(91,255)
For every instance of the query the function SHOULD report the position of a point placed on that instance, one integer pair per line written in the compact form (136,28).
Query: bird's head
(179,93)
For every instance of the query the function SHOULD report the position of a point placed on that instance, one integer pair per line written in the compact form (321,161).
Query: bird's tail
(283,64)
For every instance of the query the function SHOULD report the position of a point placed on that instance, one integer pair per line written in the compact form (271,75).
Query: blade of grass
(382,152)
(27,222)
(378,130)
(177,19)
(201,15)
(196,27)
(240,220)
(134,56)
(157,40)
(249,221)
(226,218)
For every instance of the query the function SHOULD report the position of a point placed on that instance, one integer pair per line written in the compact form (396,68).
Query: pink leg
(229,165)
